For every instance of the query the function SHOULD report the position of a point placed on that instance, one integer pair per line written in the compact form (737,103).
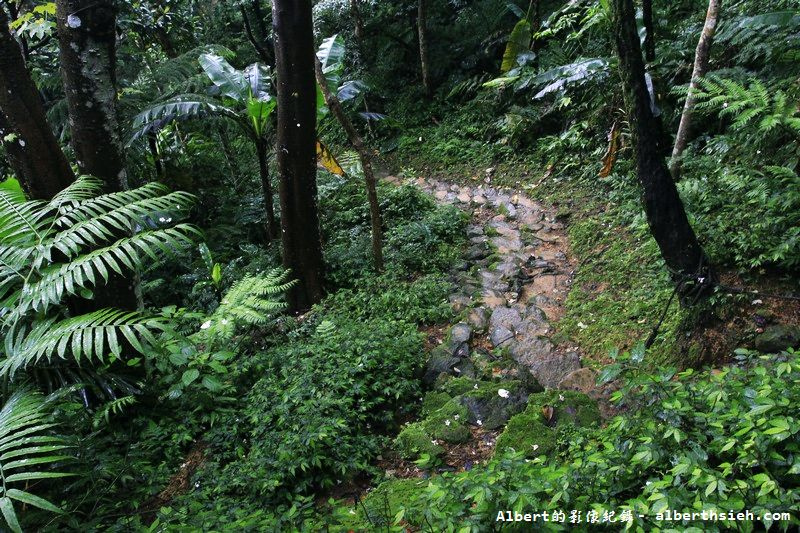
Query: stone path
(512,285)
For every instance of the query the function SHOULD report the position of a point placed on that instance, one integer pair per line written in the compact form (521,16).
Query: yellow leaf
(610,156)
(326,160)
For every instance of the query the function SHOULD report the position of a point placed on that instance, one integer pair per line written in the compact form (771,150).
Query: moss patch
(414,441)
(535,431)
(379,507)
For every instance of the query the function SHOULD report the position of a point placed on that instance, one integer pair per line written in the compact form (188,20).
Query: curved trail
(514,281)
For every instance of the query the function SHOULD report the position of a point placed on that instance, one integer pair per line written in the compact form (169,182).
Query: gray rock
(529,350)
(478,319)
(491,409)
(459,302)
(551,371)
(582,379)
(778,338)
(440,361)
(460,333)
(500,335)
(474,231)
(507,317)
(476,253)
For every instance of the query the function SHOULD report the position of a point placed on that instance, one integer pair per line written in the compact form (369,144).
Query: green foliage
(755,105)
(728,439)
(316,415)
(68,248)
(24,442)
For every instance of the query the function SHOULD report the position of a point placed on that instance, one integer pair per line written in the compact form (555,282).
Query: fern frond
(23,443)
(83,272)
(87,336)
(249,301)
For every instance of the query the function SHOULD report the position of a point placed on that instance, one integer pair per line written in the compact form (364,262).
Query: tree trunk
(266,189)
(31,146)
(296,152)
(366,162)
(358,23)
(700,67)
(666,217)
(87,37)
(87,44)
(261,50)
(650,35)
(422,26)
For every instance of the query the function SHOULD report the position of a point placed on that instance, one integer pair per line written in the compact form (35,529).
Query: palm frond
(25,442)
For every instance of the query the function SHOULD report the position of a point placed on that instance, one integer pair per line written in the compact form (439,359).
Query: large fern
(68,247)
(250,301)
(752,105)
(25,448)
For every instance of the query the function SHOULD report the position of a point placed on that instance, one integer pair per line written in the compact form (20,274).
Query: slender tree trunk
(87,43)
(266,189)
(700,67)
(422,27)
(358,24)
(666,217)
(152,143)
(31,146)
(296,152)
(650,34)
(263,54)
(229,157)
(366,162)
(87,36)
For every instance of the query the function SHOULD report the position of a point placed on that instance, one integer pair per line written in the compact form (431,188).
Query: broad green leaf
(231,82)
(518,42)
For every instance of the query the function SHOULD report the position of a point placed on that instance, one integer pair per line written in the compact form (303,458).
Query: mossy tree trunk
(666,216)
(296,150)
(266,189)
(87,51)
(650,35)
(32,149)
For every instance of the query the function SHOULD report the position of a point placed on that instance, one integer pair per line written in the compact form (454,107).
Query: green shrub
(725,439)
(317,414)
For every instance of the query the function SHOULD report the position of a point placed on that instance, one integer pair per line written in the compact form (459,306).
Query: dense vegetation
(206,327)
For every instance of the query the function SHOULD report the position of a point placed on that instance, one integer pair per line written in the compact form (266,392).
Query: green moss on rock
(535,433)
(414,441)
(449,423)
(433,401)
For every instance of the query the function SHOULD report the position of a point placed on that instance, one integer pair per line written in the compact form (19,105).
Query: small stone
(464,198)
(500,335)
(477,319)
(551,371)
(582,380)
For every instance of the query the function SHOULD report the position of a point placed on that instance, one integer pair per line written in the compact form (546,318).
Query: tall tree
(358,24)
(87,51)
(700,67)
(296,150)
(30,145)
(649,31)
(357,142)
(666,216)
(87,44)
(422,27)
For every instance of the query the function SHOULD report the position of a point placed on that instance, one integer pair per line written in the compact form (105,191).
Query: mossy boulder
(778,338)
(534,431)
(492,404)
(456,386)
(381,505)
(445,420)
(449,423)
(433,401)
(414,442)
